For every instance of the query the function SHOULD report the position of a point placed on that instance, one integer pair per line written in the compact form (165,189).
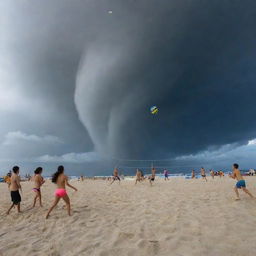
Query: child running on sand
(61,181)
(203,173)
(38,182)
(115,176)
(14,189)
(240,182)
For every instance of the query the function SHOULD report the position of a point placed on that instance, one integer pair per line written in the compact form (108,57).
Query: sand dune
(179,217)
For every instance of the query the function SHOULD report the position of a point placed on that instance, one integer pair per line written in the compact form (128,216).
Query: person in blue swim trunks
(240,182)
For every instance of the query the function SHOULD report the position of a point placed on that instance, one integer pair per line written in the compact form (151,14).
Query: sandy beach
(178,217)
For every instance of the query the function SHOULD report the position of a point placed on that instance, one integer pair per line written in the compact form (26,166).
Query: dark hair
(15,169)
(236,166)
(56,174)
(38,170)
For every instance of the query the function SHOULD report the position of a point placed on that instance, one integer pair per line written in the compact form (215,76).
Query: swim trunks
(240,184)
(36,189)
(15,195)
(60,192)
(116,178)
(203,176)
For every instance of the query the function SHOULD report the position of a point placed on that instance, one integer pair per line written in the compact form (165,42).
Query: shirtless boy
(240,182)
(203,173)
(61,181)
(38,182)
(115,176)
(14,189)
(153,176)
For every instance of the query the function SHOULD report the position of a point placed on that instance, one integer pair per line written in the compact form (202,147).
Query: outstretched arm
(233,175)
(69,185)
(42,181)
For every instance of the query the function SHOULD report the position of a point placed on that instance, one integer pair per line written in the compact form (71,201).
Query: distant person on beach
(212,173)
(38,182)
(251,172)
(193,176)
(14,189)
(240,182)
(138,176)
(81,178)
(115,176)
(28,177)
(7,178)
(153,176)
(203,173)
(61,180)
(220,173)
(166,175)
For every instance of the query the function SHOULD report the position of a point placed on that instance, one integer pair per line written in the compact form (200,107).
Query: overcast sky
(77,82)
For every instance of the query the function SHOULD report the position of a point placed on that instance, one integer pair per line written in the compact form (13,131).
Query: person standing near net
(193,175)
(153,176)
(212,173)
(138,176)
(166,175)
(203,173)
(115,176)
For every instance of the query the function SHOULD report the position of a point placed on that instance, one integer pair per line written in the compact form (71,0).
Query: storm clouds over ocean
(77,82)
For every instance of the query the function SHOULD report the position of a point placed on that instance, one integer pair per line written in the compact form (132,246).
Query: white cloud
(209,154)
(84,157)
(243,154)
(252,142)
(12,138)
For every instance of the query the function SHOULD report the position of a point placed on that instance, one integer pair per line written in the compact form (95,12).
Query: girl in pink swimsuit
(60,192)
(61,181)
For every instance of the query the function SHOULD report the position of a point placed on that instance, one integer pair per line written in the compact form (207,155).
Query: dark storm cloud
(37,40)
(195,60)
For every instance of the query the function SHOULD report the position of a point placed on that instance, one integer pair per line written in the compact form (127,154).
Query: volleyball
(154,110)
